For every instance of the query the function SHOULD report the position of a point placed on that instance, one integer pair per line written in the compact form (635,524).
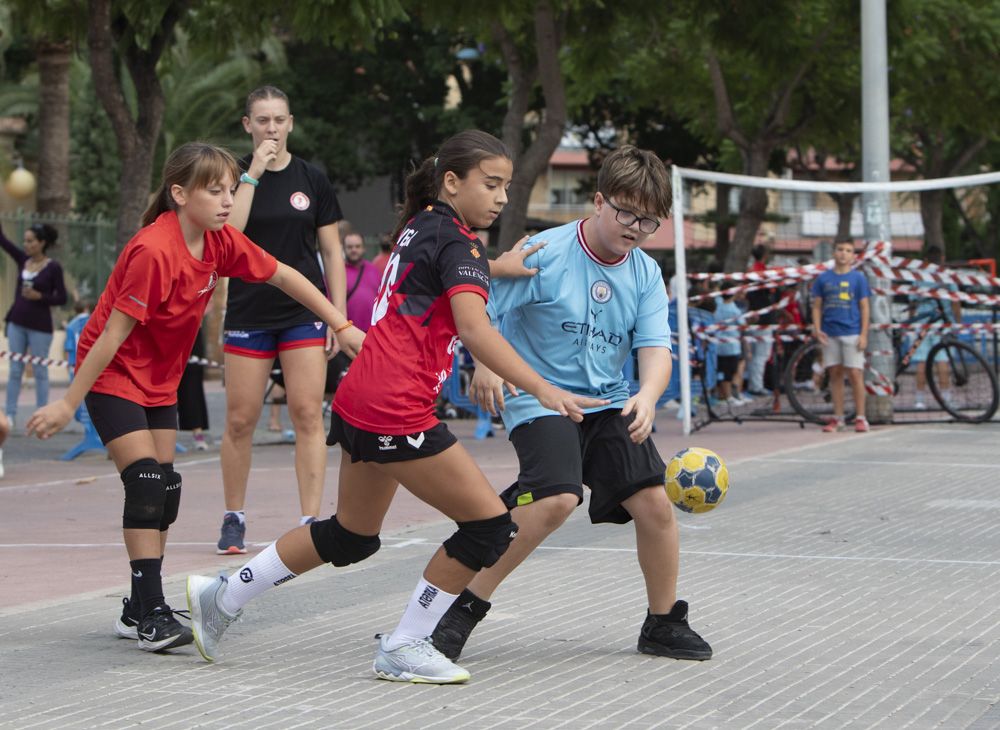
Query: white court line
(848,462)
(403,542)
(784,556)
(415,541)
(76,480)
(108,544)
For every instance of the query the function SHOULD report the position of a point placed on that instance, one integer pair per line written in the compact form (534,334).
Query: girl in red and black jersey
(433,292)
(132,353)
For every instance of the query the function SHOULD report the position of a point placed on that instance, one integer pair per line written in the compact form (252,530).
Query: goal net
(932,353)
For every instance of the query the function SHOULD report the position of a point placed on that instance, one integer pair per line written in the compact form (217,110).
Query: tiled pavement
(852,583)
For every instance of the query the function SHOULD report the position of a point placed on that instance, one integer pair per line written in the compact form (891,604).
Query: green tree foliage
(94,163)
(139,33)
(384,109)
(944,55)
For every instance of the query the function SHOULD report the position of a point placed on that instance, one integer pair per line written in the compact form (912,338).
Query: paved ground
(848,581)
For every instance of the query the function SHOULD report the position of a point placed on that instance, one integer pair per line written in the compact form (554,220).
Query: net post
(680,265)
(875,161)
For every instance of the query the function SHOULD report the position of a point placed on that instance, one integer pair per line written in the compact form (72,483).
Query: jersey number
(385,288)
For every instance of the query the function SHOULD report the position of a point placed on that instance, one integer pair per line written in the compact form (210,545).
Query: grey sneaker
(231,537)
(417,662)
(208,620)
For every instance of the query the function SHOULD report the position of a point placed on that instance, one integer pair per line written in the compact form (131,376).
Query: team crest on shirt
(600,291)
(213,279)
(299,201)
(475,252)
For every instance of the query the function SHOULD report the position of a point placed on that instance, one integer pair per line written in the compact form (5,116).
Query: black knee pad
(340,546)
(172,500)
(145,493)
(479,544)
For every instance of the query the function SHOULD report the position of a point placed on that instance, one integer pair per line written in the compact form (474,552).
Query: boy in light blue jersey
(595,299)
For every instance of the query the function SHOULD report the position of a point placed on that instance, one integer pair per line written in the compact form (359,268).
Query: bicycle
(961,380)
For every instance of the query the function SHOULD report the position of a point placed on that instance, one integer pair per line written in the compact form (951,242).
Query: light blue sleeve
(652,325)
(509,294)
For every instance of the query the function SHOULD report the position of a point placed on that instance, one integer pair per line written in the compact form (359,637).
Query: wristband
(247,179)
(344,326)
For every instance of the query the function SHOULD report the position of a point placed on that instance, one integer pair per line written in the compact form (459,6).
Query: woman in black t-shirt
(288,207)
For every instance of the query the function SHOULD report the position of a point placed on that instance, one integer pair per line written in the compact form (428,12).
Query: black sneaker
(456,625)
(159,630)
(669,635)
(126,624)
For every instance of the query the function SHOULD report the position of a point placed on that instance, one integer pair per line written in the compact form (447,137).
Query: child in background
(73,329)
(840,321)
(729,352)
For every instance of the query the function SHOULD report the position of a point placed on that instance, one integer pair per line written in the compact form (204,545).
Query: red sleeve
(242,258)
(144,282)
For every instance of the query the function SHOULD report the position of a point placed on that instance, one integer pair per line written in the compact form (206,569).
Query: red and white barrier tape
(873,257)
(785,332)
(938,293)
(733,291)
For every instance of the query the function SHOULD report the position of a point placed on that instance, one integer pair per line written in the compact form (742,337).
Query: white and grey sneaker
(417,662)
(208,620)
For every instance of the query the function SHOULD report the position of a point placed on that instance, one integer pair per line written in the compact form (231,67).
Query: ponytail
(161,203)
(422,187)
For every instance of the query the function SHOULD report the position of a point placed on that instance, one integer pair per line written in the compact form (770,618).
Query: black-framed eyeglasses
(627,218)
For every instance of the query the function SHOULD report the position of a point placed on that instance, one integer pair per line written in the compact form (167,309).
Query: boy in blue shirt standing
(840,312)
(596,298)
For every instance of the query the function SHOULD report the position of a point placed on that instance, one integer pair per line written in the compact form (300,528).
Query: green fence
(85,249)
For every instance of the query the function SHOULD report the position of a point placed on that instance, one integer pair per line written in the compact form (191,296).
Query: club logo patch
(600,291)
(299,201)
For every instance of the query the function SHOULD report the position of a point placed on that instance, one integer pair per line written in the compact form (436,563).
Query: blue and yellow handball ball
(697,480)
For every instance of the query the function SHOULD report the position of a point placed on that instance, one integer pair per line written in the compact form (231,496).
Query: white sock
(426,607)
(264,570)
(239,513)
(306,519)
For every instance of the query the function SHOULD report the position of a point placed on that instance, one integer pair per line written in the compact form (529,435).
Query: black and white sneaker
(669,635)
(159,630)
(128,622)
(455,627)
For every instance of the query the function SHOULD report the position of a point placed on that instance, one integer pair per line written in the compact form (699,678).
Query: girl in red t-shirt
(433,291)
(132,353)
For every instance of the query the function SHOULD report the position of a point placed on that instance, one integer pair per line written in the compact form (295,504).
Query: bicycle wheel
(962,381)
(807,385)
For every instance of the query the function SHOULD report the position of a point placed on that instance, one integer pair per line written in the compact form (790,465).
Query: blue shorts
(265,344)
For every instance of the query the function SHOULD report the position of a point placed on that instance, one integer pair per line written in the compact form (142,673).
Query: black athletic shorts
(113,416)
(558,456)
(386,448)
(728,365)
